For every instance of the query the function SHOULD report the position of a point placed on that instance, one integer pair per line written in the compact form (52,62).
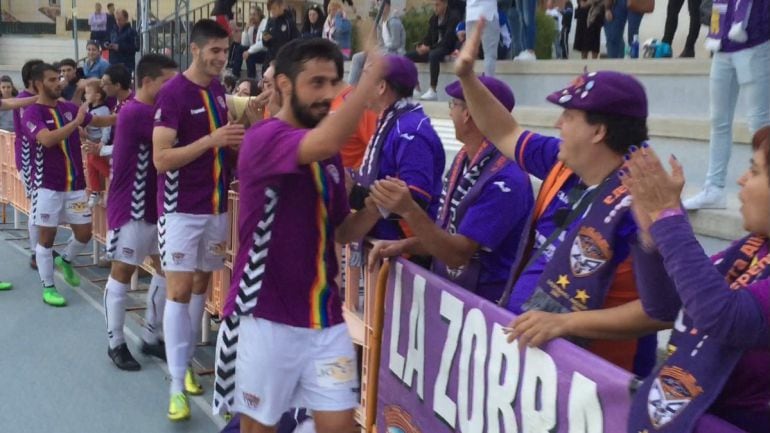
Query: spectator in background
(68,74)
(94,65)
(552,11)
(280,29)
(503,47)
(527,9)
(123,48)
(616,15)
(337,28)
(391,39)
(223,13)
(253,50)
(112,25)
(229,82)
(588,30)
(313,24)
(437,44)
(566,26)
(7,91)
(672,21)
(246,87)
(98,24)
(97,143)
(509,8)
(737,67)
(490,38)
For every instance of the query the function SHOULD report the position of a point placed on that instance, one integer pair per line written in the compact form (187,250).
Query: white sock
(33,234)
(153,315)
(74,247)
(197,305)
(177,333)
(44,259)
(115,311)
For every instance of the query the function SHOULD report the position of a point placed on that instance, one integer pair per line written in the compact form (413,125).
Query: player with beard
(193,147)
(59,195)
(283,312)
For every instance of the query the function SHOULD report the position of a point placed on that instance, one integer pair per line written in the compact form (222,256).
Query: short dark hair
(119,75)
(229,81)
(253,85)
(761,141)
(152,66)
(291,57)
(38,72)
(110,5)
(205,30)
(622,131)
(93,42)
(68,62)
(26,71)
(401,90)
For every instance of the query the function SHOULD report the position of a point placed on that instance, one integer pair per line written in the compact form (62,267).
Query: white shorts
(191,242)
(51,208)
(132,242)
(279,367)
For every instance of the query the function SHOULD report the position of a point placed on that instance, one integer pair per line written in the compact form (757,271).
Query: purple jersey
(59,167)
(199,187)
(134,179)
(287,216)
(537,154)
(21,144)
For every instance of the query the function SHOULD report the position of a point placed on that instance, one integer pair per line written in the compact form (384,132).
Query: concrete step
(17,49)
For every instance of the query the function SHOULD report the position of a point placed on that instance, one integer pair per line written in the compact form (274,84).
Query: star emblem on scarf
(582,296)
(563,281)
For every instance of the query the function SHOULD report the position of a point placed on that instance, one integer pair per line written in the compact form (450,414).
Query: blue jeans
(616,48)
(742,71)
(527,10)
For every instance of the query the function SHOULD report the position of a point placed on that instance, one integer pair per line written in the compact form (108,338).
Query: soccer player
(59,195)
(132,214)
(292,343)
(193,148)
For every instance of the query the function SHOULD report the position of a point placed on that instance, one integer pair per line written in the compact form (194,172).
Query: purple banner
(446,367)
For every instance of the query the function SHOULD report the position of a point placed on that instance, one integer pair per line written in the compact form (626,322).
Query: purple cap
(401,71)
(498,88)
(604,92)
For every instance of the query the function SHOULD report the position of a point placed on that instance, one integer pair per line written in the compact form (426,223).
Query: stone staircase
(17,49)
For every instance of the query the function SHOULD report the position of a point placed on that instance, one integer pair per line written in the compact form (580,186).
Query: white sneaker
(526,56)
(430,95)
(711,197)
(93,200)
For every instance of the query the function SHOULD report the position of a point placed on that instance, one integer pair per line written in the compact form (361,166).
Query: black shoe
(157,350)
(33,262)
(687,54)
(123,359)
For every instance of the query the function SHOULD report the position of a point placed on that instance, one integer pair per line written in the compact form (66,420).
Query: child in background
(97,143)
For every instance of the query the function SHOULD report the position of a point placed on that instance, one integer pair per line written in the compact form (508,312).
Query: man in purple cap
(404,145)
(576,258)
(283,330)
(484,207)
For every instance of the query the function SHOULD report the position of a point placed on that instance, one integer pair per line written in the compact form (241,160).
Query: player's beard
(303,113)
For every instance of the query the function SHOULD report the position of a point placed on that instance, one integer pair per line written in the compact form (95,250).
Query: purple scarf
(370,167)
(461,191)
(728,19)
(679,393)
(581,271)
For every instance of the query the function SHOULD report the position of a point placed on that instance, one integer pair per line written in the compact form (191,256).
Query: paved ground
(56,373)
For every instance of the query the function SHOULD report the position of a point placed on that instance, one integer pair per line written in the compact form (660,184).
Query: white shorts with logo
(51,208)
(279,367)
(132,242)
(190,242)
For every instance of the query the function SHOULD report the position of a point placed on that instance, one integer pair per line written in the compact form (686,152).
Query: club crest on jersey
(68,116)
(177,258)
(157,115)
(671,392)
(221,101)
(31,126)
(589,252)
(331,169)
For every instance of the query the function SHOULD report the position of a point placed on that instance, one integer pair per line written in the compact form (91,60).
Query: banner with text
(446,367)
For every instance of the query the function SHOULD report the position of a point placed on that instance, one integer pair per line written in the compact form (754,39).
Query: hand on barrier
(230,135)
(536,328)
(384,249)
(468,54)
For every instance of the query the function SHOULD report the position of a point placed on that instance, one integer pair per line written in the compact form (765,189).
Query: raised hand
(470,51)
(652,188)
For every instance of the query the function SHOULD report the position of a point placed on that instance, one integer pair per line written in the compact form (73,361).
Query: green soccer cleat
(52,297)
(178,408)
(65,267)
(191,385)
(4,285)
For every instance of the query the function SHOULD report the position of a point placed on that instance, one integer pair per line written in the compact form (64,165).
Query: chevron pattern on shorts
(245,302)
(113,243)
(37,180)
(139,192)
(26,165)
(171,191)
(162,239)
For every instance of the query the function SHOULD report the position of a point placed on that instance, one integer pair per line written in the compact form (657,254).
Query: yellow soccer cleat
(191,385)
(178,408)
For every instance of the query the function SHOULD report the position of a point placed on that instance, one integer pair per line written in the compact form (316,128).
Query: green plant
(416,25)
(545,35)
